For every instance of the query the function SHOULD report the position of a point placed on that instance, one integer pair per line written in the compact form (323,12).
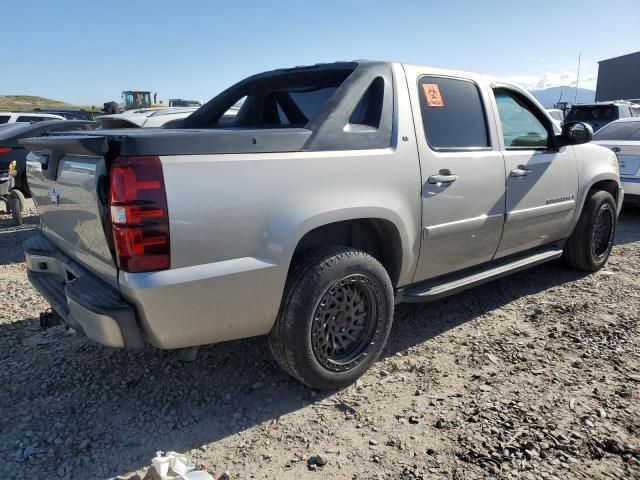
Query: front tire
(335,317)
(589,246)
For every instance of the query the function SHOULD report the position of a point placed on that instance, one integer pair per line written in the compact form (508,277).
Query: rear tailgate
(68,179)
(628,153)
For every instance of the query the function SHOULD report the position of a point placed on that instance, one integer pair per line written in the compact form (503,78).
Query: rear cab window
(453,115)
(593,113)
(287,99)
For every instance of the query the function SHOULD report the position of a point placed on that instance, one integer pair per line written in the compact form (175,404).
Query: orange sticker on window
(432,93)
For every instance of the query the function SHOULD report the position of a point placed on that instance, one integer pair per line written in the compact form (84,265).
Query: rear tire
(335,317)
(591,242)
(16,205)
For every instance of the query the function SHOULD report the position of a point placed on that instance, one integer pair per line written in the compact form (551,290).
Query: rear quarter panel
(235,221)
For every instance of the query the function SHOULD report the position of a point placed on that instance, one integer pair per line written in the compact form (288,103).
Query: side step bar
(435,289)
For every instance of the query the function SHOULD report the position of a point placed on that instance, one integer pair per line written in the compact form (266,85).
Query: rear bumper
(174,308)
(83,301)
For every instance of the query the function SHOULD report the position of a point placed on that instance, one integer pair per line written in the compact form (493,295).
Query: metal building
(619,78)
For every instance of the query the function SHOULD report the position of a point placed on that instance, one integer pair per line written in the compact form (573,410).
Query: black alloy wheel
(344,322)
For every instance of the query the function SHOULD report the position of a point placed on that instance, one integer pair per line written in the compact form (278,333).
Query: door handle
(442,178)
(521,171)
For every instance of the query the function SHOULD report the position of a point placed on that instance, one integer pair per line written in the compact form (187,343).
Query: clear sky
(87,52)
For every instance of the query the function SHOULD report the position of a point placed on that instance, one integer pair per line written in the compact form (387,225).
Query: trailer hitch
(49,318)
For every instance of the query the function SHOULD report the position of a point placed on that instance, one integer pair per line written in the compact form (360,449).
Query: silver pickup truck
(337,191)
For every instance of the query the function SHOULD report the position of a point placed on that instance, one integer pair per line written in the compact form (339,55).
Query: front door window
(520,127)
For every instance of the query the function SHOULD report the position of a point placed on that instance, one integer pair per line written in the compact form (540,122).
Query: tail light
(4,150)
(139,215)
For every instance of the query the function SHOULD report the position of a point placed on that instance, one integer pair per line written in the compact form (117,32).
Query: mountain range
(549,96)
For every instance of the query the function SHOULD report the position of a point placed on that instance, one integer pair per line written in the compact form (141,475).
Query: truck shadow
(417,323)
(122,407)
(11,238)
(628,230)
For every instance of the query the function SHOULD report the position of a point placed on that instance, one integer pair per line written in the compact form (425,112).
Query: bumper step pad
(86,303)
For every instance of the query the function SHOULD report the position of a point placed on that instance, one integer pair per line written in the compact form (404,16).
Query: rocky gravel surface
(535,376)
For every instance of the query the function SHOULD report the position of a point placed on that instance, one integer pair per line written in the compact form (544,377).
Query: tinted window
(452,113)
(4,118)
(29,118)
(520,126)
(593,113)
(619,131)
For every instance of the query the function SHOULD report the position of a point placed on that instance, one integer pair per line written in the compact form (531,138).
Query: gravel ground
(532,376)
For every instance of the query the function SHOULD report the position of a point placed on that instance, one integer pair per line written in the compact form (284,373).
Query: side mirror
(575,133)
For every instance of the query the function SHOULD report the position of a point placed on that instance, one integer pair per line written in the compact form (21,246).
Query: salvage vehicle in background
(27,117)
(623,138)
(152,117)
(149,118)
(179,102)
(602,113)
(12,198)
(557,115)
(132,100)
(337,191)
(11,151)
(70,113)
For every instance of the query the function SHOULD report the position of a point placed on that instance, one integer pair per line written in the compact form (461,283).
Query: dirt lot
(533,376)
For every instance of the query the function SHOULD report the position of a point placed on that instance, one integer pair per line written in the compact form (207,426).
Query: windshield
(137,99)
(619,131)
(598,113)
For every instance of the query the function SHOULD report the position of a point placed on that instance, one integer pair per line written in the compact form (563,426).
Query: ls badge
(54,196)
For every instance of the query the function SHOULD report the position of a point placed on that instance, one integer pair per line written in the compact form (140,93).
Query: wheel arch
(605,181)
(379,237)
(608,185)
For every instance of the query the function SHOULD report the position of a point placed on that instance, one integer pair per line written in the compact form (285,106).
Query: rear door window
(453,114)
(4,118)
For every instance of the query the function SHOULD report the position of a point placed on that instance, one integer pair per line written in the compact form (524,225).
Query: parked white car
(145,118)
(27,117)
(153,117)
(623,138)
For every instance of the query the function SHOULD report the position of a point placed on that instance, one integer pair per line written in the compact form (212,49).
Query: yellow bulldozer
(132,100)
